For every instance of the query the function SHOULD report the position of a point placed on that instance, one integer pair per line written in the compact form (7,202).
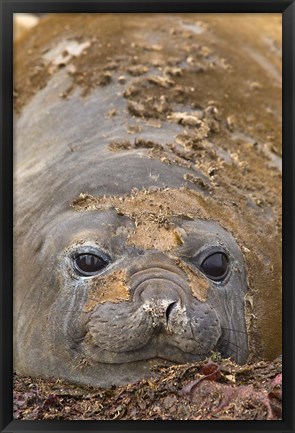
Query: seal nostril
(169,309)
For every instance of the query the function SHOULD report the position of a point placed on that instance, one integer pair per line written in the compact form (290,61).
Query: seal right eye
(90,264)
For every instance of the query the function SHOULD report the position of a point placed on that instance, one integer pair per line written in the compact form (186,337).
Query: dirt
(153,227)
(186,65)
(180,392)
(108,289)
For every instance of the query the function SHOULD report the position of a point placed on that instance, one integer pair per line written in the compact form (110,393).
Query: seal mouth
(152,350)
(176,339)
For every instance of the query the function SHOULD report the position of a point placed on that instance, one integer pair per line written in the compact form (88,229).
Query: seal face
(118,304)
(137,245)
(162,317)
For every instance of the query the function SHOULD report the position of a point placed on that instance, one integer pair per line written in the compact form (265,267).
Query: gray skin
(120,342)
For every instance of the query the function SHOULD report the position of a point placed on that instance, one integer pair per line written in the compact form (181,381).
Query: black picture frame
(8,7)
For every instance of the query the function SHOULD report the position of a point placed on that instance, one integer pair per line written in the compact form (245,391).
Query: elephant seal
(147,194)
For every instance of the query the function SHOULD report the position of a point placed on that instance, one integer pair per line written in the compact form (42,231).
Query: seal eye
(215,266)
(90,264)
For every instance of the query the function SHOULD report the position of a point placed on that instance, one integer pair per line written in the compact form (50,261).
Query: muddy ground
(209,390)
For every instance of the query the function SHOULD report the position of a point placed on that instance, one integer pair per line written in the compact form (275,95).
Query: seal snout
(156,275)
(161,318)
(160,288)
(160,304)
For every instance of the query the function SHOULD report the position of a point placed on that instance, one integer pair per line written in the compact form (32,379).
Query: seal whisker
(224,347)
(229,352)
(227,343)
(234,330)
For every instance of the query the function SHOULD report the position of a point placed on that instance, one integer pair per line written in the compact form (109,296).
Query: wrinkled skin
(147,303)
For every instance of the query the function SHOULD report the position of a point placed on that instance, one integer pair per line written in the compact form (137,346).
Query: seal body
(139,235)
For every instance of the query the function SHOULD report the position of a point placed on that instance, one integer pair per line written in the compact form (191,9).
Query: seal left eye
(89,264)
(215,266)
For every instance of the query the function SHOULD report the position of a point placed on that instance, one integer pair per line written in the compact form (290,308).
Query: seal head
(116,306)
